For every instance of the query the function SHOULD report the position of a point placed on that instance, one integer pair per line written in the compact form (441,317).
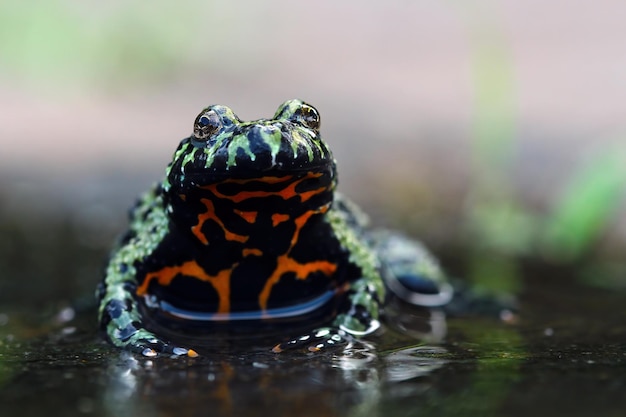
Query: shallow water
(563,352)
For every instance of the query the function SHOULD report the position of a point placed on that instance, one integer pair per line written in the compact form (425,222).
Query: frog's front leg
(120,319)
(119,312)
(360,319)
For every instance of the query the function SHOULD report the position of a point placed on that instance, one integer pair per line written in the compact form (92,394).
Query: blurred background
(492,130)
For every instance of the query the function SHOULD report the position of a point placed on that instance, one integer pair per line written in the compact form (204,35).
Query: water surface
(562,352)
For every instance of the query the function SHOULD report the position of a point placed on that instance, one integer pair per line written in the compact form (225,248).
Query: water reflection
(484,367)
(350,381)
(68,369)
(423,324)
(411,363)
(124,377)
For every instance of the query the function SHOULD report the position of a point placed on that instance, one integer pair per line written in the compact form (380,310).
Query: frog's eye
(206,124)
(308,116)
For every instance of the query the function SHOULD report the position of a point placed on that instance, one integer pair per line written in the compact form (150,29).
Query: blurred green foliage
(497,222)
(102,43)
(585,208)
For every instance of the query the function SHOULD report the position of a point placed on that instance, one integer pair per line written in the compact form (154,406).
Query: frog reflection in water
(246,227)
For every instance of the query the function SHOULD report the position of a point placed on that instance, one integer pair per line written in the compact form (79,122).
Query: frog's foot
(410,271)
(145,342)
(318,340)
(124,330)
(149,345)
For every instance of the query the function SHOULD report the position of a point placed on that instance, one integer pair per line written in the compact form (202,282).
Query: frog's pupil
(204,121)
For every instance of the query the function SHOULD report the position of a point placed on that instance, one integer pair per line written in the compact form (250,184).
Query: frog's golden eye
(308,116)
(206,124)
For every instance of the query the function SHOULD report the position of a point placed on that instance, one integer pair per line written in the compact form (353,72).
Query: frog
(247,226)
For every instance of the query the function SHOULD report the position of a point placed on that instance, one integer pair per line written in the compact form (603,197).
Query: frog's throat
(253,200)
(295,199)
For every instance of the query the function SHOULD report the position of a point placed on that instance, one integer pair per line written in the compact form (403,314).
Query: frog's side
(247,226)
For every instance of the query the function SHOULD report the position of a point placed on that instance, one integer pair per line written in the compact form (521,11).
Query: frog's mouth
(202,178)
(257,169)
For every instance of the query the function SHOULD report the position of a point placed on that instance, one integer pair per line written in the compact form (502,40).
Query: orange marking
(301,221)
(286,193)
(302,270)
(182,197)
(222,393)
(210,215)
(278,218)
(251,252)
(249,216)
(287,264)
(220,281)
(268,180)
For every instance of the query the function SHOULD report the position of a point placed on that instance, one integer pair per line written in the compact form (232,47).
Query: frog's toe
(151,347)
(318,340)
(147,343)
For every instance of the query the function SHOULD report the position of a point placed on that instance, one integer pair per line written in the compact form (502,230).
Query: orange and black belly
(247,248)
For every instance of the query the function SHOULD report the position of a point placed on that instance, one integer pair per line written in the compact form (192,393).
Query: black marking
(129,287)
(115,308)
(128,331)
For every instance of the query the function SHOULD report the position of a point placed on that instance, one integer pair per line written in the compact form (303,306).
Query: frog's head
(226,155)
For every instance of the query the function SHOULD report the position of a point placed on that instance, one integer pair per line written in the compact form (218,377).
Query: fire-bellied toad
(247,226)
